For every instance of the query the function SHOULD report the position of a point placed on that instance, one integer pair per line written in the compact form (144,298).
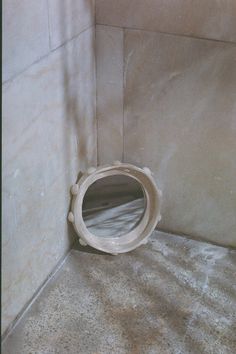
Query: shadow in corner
(87,249)
(78,115)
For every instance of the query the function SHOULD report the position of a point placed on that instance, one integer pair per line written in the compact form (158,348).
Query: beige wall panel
(197,18)
(49,134)
(25,35)
(109,57)
(180,120)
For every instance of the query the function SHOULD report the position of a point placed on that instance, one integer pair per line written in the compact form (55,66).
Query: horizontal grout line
(46,55)
(35,296)
(168,33)
(114,26)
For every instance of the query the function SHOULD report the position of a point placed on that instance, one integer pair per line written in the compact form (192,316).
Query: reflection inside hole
(113,206)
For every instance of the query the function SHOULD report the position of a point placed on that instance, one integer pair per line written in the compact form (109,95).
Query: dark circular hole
(113,206)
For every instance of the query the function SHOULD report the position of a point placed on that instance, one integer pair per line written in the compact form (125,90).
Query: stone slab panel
(180,121)
(109,57)
(25,35)
(49,135)
(68,18)
(204,18)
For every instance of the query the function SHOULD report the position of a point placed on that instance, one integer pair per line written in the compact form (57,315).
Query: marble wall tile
(25,34)
(68,18)
(49,134)
(109,58)
(207,19)
(180,120)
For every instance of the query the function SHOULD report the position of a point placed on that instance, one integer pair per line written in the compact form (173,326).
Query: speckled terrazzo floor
(173,295)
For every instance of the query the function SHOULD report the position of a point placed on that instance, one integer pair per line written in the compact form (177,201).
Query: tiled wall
(197,18)
(49,135)
(168,101)
(163,100)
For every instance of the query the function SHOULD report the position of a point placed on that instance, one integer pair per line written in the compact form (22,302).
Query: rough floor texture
(173,295)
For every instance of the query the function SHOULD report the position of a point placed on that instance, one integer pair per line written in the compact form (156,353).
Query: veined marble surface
(49,135)
(68,18)
(25,35)
(31,29)
(203,18)
(117,220)
(179,120)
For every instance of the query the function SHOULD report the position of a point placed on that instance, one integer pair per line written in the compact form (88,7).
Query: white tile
(49,135)
(25,34)
(68,18)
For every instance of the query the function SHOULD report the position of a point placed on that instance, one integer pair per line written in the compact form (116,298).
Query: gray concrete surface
(173,295)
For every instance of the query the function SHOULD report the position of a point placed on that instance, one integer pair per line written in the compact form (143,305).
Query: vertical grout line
(123,126)
(49,30)
(95,12)
(96,115)
(95,58)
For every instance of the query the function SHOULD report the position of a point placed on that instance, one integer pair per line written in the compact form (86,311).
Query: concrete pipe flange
(143,229)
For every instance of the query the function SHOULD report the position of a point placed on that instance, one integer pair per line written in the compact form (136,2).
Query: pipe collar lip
(136,236)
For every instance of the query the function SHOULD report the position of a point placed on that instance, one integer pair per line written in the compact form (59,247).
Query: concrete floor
(173,295)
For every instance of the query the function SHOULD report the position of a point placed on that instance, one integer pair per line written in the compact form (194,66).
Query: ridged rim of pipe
(136,236)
